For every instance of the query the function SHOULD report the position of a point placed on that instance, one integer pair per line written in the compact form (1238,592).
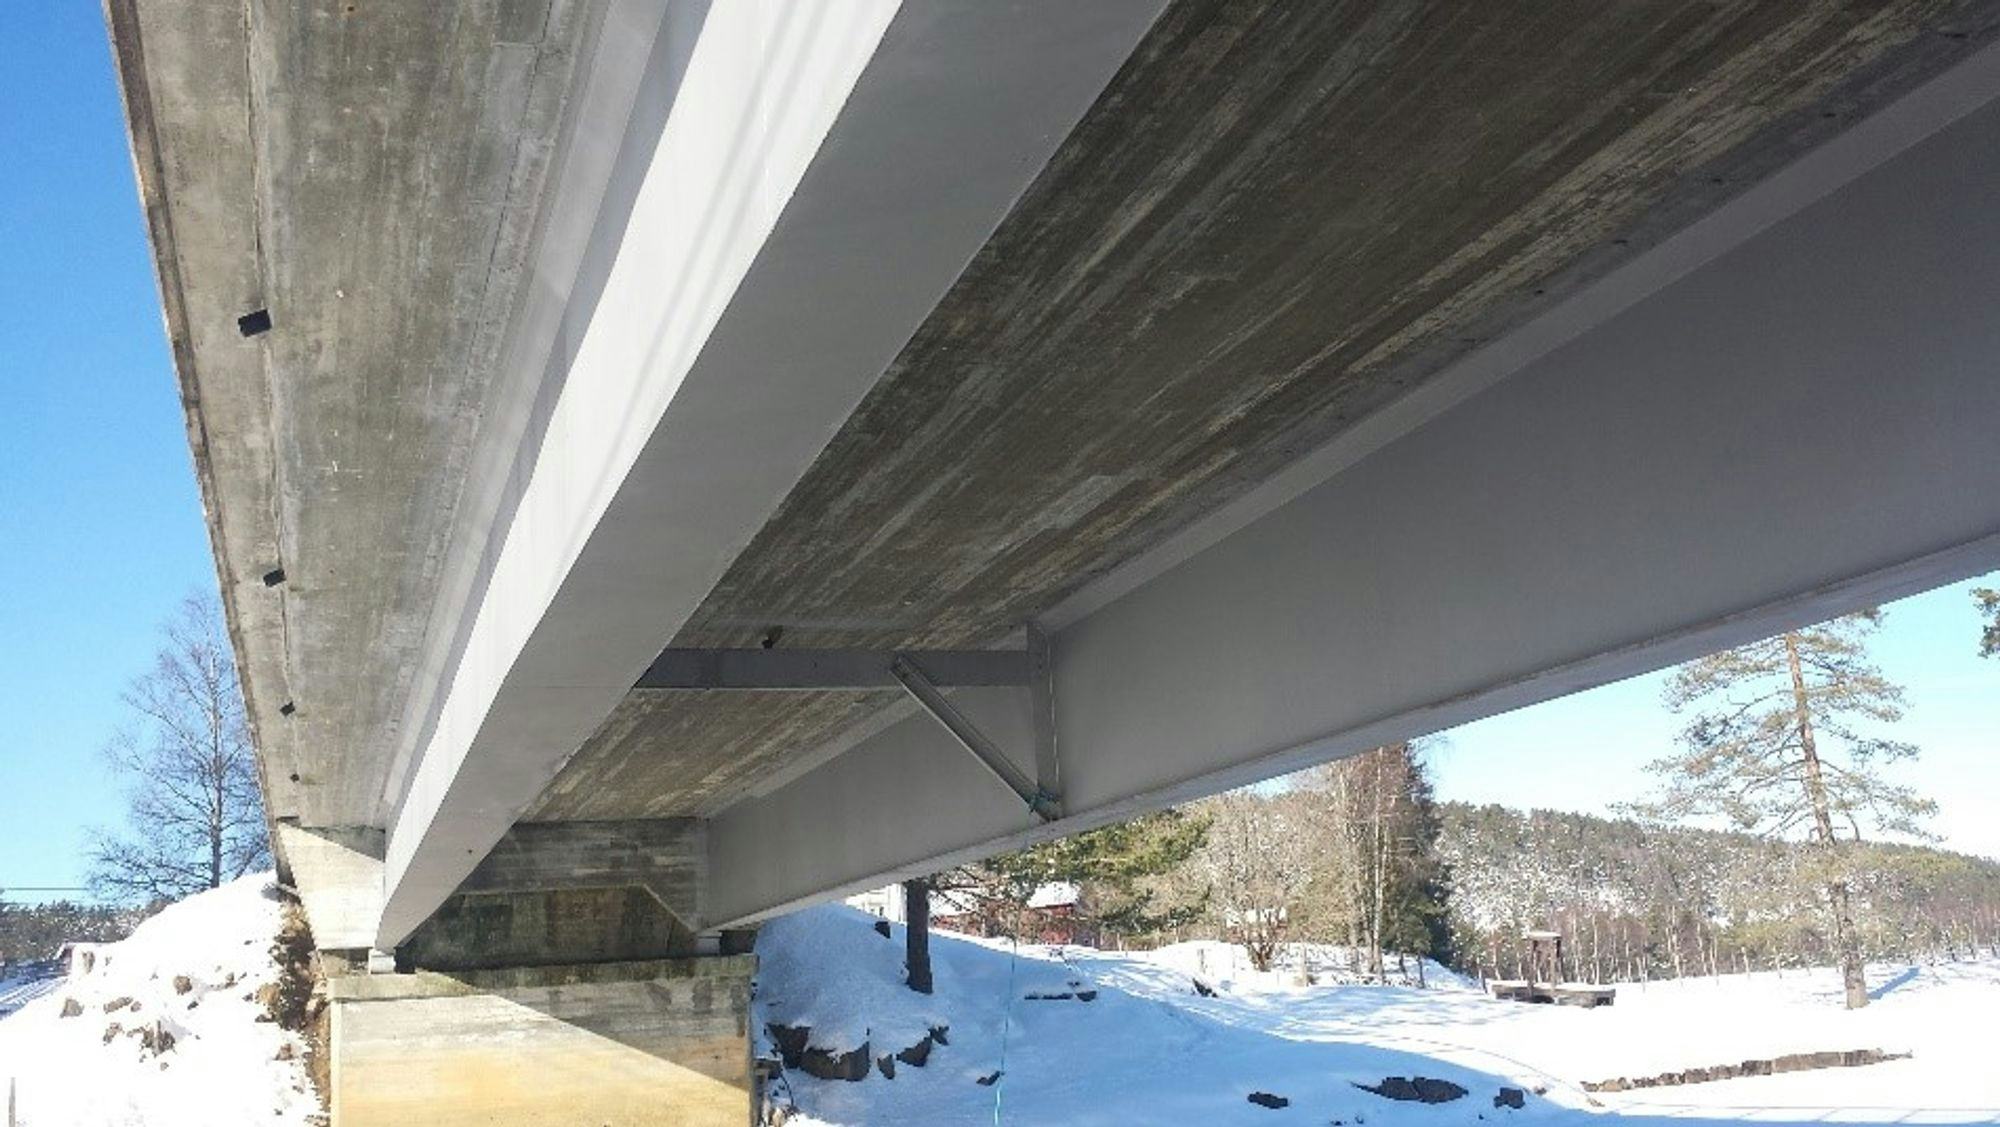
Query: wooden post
(917,933)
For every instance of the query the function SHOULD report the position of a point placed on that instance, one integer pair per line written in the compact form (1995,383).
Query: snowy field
(106,1063)
(1149,1049)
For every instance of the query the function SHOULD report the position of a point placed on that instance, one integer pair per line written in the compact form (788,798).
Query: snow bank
(1151,1050)
(95,1068)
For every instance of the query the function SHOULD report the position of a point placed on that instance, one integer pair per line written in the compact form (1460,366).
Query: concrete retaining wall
(617,1044)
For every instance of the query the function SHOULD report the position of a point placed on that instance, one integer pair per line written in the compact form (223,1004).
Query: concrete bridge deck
(593,399)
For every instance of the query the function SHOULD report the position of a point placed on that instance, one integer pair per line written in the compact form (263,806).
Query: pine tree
(1776,751)
(1117,869)
(1988,601)
(1383,800)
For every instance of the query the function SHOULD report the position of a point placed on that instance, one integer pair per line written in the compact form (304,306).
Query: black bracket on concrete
(923,674)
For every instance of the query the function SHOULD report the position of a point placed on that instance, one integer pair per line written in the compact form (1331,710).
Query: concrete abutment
(655,1042)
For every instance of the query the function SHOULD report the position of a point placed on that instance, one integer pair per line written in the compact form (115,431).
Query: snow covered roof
(1055,894)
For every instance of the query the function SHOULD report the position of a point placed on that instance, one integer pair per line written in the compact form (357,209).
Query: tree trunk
(917,933)
(1381,880)
(1845,942)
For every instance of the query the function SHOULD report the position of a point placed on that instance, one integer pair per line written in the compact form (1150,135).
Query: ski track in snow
(22,983)
(1150,1050)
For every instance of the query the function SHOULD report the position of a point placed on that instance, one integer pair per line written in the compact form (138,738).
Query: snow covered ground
(1149,1049)
(223,1068)
(1145,1049)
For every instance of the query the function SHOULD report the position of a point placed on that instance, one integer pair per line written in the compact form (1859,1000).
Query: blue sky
(1586,751)
(101,532)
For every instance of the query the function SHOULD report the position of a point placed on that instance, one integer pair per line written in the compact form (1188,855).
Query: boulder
(852,1065)
(1266,1099)
(1436,1091)
(791,1042)
(116,1004)
(1511,1097)
(917,1055)
(183,984)
(71,1007)
(1415,1089)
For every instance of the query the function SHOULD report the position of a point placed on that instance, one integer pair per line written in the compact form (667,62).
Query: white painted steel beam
(824,174)
(1789,412)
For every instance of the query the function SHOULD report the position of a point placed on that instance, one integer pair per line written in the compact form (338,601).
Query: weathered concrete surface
(667,858)
(1276,220)
(575,923)
(338,874)
(614,1045)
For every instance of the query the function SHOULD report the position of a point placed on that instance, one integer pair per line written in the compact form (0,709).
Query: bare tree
(1257,859)
(1777,752)
(1380,802)
(196,817)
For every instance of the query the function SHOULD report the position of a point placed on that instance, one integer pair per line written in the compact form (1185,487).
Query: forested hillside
(34,931)
(1637,901)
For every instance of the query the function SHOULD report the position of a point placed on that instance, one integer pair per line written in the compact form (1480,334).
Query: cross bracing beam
(777,670)
(1039,797)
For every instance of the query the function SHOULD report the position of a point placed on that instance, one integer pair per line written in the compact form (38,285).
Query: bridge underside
(673,419)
